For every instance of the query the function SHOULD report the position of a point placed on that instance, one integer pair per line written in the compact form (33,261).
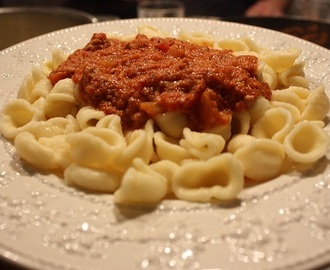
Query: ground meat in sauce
(142,78)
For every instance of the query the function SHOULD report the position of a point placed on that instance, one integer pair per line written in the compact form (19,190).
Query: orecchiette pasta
(53,129)
(220,177)
(307,142)
(317,105)
(202,145)
(262,159)
(92,178)
(169,149)
(275,124)
(61,100)
(141,184)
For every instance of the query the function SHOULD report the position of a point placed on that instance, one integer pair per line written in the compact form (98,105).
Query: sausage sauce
(145,77)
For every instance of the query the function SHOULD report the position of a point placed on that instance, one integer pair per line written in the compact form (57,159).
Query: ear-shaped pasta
(202,145)
(239,141)
(275,124)
(307,142)
(301,92)
(52,127)
(58,57)
(293,75)
(92,178)
(151,31)
(262,159)
(223,130)
(167,169)
(291,108)
(172,123)
(197,38)
(30,149)
(258,109)
(35,85)
(236,45)
(252,45)
(286,95)
(168,148)
(317,105)
(280,60)
(61,100)
(88,117)
(17,114)
(220,177)
(60,147)
(267,75)
(111,121)
(140,184)
(95,147)
(139,145)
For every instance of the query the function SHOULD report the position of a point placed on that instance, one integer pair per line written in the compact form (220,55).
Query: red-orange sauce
(142,78)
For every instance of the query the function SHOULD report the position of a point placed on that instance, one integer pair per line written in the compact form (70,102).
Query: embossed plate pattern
(281,224)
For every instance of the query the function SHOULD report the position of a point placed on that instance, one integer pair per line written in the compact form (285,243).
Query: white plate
(282,224)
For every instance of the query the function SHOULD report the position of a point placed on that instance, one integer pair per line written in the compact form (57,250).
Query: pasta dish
(151,115)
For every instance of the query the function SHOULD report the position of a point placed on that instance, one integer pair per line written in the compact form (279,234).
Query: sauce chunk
(143,78)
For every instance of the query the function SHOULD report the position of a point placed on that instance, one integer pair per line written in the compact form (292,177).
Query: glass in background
(160,8)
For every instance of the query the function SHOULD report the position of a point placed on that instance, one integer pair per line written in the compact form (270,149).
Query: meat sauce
(143,78)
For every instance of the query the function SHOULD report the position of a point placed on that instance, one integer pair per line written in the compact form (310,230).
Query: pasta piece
(167,169)
(268,75)
(88,117)
(16,115)
(35,85)
(239,141)
(111,121)
(61,100)
(35,153)
(275,124)
(262,159)
(60,148)
(301,92)
(307,142)
(317,105)
(280,60)
(197,38)
(293,76)
(168,149)
(52,127)
(151,31)
(236,45)
(58,57)
(295,113)
(139,145)
(92,178)
(258,109)
(141,184)
(223,130)
(252,45)
(220,178)
(172,123)
(95,147)
(286,95)
(202,145)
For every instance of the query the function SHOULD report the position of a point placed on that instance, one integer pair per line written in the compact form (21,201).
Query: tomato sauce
(143,78)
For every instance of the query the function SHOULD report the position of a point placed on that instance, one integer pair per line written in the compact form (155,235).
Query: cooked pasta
(53,128)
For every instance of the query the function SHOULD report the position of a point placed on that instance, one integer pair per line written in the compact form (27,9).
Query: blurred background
(307,19)
(194,8)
